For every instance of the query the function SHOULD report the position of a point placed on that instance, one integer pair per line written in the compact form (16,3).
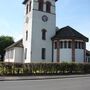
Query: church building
(42,41)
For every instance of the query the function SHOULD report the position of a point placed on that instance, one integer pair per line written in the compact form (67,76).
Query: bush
(86,68)
(43,68)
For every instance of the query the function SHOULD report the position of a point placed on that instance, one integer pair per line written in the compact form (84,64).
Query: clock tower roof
(25,1)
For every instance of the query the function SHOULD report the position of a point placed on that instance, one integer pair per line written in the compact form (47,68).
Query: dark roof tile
(16,44)
(69,33)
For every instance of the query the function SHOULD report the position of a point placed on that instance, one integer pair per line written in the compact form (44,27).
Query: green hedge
(43,68)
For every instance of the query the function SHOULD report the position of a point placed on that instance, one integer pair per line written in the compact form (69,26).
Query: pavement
(15,78)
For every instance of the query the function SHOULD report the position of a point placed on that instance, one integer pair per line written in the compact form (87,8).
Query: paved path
(79,83)
(14,78)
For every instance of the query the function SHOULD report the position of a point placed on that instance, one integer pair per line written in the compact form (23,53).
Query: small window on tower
(30,6)
(27,9)
(40,5)
(25,53)
(26,35)
(48,7)
(43,53)
(43,34)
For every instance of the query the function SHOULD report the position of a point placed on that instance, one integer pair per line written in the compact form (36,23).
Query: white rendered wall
(27,43)
(9,55)
(65,55)
(37,42)
(14,55)
(18,55)
(34,44)
(79,55)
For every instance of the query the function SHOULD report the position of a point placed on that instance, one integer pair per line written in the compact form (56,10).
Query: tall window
(83,45)
(55,45)
(25,53)
(27,9)
(48,7)
(43,53)
(61,44)
(30,6)
(79,45)
(65,44)
(69,44)
(43,34)
(40,5)
(26,35)
(76,44)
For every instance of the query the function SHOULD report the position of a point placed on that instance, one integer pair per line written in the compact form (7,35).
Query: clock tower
(39,27)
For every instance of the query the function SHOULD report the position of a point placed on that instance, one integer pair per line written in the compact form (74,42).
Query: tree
(5,41)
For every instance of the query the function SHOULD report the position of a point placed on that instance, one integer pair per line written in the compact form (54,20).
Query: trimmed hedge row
(43,68)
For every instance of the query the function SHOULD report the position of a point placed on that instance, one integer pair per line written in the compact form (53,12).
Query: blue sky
(75,13)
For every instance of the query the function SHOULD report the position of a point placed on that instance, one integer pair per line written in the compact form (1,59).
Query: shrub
(43,68)
(86,68)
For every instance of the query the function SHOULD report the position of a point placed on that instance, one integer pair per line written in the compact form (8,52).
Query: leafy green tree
(5,41)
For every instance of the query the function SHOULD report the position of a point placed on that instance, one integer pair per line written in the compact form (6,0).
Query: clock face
(44,18)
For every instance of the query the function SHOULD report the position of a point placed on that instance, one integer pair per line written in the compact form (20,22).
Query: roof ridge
(14,44)
(68,32)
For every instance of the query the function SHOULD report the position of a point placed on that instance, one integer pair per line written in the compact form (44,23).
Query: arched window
(40,5)
(30,6)
(27,9)
(43,34)
(26,35)
(48,7)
